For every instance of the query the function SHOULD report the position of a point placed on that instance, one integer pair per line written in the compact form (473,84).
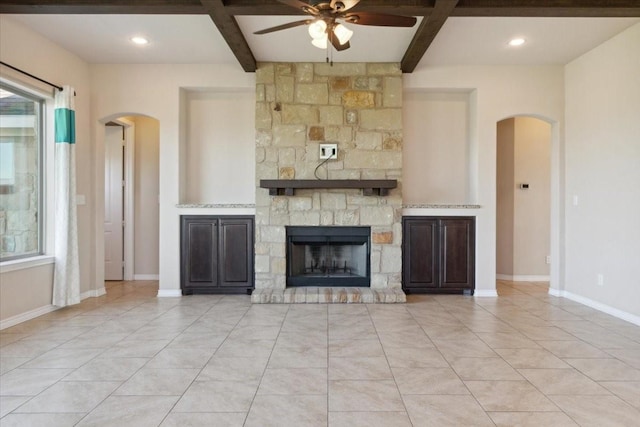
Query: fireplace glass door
(328,256)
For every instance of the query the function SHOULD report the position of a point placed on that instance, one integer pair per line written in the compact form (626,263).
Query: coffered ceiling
(448,32)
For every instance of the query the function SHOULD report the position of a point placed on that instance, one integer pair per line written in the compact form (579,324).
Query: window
(21,198)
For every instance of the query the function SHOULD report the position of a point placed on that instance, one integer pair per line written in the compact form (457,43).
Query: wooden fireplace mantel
(370,187)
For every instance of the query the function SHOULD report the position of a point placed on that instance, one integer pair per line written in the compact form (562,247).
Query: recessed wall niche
(217,126)
(438,161)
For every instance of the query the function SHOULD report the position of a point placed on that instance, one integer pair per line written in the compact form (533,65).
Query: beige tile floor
(129,358)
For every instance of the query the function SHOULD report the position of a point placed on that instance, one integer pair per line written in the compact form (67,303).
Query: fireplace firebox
(328,256)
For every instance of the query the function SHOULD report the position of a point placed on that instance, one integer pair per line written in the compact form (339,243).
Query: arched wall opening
(529,220)
(139,169)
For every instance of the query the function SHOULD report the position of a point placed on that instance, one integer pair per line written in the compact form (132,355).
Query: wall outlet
(547,259)
(328,151)
(600,279)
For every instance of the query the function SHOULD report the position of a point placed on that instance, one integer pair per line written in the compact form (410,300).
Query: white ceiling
(484,41)
(195,39)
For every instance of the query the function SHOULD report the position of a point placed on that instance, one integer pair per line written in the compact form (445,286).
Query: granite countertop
(439,206)
(216,205)
(252,206)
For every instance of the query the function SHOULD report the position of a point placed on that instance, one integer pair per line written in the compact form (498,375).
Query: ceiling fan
(325,26)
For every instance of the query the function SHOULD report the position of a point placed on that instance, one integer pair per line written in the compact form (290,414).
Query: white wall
(498,92)
(146,196)
(48,61)
(603,172)
(220,126)
(156,91)
(435,161)
(531,226)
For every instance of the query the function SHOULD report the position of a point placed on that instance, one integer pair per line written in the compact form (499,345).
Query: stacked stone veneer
(359,107)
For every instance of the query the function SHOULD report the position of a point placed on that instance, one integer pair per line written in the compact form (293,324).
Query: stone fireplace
(357,106)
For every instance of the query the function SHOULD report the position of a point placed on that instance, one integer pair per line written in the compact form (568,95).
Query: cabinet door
(457,248)
(420,253)
(236,252)
(200,252)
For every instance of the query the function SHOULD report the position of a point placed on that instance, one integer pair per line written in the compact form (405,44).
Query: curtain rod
(32,76)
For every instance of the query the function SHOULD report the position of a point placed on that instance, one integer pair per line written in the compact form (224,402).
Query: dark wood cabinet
(216,254)
(438,254)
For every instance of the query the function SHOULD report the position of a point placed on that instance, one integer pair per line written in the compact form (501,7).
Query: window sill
(22,264)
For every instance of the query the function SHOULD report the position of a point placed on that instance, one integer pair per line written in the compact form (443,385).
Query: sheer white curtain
(66,283)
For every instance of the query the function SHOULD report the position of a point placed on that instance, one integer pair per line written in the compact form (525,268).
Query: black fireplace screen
(328,256)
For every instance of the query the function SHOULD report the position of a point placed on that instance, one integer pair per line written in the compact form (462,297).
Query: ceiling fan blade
(284,26)
(305,7)
(336,43)
(346,5)
(379,19)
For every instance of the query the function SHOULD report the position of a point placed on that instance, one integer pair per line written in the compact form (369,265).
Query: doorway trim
(129,199)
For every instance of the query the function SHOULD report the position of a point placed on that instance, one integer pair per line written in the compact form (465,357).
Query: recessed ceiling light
(139,40)
(517,41)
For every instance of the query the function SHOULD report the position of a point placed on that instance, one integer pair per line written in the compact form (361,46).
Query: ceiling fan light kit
(342,33)
(324,25)
(320,43)
(318,29)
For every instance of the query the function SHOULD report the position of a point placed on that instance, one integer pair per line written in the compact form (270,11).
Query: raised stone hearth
(324,295)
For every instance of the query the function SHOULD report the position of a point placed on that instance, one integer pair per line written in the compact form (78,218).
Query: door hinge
(122,224)
(123,183)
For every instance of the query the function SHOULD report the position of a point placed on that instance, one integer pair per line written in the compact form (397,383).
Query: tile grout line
(246,418)
(404,405)
(203,366)
(74,369)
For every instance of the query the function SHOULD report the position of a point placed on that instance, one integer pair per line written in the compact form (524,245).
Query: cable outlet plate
(328,151)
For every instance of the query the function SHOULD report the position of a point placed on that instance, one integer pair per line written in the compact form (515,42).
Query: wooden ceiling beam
(274,7)
(230,31)
(549,8)
(533,8)
(233,7)
(429,28)
(106,7)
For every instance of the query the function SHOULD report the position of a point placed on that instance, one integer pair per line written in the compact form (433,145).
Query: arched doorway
(131,194)
(524,199)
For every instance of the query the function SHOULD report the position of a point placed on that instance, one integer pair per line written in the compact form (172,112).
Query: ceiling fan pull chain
(329,45)
(327,53)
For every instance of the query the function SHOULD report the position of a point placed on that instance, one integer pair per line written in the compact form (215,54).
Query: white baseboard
(555,292)
(146,277)
(93,293)
(28,315)
(522,278)
(37,312)
(620,314)
(485,293)
(165,293)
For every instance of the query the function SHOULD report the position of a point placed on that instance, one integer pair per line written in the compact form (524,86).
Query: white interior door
(113,203)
